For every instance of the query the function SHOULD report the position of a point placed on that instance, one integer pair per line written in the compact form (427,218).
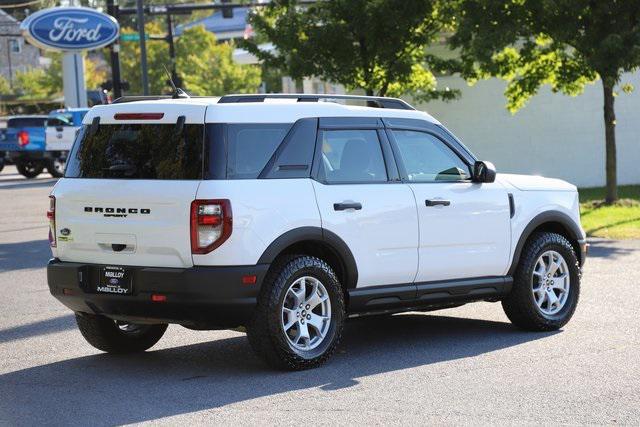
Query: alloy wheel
(306,313)
(550,283)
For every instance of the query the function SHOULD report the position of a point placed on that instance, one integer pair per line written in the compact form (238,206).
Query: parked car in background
(61,128)
(23,143)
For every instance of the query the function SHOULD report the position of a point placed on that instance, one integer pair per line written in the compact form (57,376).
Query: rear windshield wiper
(124,168)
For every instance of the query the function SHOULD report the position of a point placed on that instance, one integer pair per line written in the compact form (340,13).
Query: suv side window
(250,146)
(351,156)
(427,159)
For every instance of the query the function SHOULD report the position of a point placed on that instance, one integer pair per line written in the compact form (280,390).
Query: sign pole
(75,92)
(143,48)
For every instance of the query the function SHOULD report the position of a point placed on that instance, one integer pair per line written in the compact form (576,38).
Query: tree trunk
(610,141)
(369,92)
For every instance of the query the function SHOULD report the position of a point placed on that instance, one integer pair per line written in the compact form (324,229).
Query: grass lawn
(619,221)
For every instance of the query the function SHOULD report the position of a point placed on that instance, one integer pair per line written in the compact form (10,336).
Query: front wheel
(56,167)
(30,169)
(546,284)
(300,314)
(118,337)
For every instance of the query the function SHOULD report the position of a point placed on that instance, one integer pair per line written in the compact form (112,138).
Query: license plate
(114,280)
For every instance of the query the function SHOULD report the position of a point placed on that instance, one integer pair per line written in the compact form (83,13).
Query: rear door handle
(437,202)
(344,206)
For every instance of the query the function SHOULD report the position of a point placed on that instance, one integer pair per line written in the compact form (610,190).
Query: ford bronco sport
(287,215)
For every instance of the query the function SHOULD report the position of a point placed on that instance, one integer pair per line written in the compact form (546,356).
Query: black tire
(266,333)
(1,163)
(106,335)
(520,306)
(30,169)
(56,167)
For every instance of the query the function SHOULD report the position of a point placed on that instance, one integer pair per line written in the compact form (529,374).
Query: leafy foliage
(563,43)
(45,83)
(375,45)
(206,67)
(5,88)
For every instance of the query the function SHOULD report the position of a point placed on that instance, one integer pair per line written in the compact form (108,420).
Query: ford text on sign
(70,28)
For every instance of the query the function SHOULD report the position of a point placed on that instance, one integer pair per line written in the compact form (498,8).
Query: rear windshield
(137,151)
(26,122)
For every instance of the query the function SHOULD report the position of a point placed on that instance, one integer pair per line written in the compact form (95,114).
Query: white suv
(287,215)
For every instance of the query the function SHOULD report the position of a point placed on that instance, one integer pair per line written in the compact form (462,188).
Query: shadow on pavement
(603,248)
(23,255)
(43,327)
(106,389)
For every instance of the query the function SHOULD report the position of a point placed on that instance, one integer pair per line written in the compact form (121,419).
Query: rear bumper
(199,297)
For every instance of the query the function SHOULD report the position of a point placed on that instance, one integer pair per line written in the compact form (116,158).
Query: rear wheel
(300,314)
(118,337)
(546,284)
(56,167)
(1,163)
(30,169)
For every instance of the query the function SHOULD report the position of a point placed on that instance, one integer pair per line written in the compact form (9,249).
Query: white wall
(553,135)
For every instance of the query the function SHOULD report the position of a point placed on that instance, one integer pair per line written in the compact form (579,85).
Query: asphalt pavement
(460,366)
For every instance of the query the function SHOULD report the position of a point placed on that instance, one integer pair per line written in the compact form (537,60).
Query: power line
(12,6)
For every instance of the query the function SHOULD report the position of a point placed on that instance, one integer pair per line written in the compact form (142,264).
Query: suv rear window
(26,122)
(137,151)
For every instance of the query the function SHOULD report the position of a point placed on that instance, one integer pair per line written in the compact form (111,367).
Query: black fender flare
(546,217)
(314,234)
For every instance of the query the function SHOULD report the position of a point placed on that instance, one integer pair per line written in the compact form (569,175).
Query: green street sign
(132,37)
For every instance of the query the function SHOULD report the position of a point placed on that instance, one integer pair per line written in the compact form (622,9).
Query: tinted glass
(26,122)
(295,156)
(352,156)
(427,159)
(60,120)
(137,151)
(250,146)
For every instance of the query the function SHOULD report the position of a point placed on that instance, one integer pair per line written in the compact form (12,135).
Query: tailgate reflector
(138,116)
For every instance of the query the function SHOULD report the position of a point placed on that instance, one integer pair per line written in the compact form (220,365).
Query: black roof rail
(372,101)
(135,98)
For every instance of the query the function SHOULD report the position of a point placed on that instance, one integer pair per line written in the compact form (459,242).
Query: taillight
(211,224)
(23,138)
(51,215)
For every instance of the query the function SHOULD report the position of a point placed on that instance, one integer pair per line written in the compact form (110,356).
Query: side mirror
(484,172)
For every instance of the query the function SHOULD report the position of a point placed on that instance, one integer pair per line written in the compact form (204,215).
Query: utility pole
(114,49)
(10,68)
(143,47)
(172,50)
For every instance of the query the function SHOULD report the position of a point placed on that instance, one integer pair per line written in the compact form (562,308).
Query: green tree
(44,83)
(563,43)
(205,66)
(375,45)
(157,58)
(5,88)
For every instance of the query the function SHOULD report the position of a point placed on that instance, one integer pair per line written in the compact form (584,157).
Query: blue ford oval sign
(70,29)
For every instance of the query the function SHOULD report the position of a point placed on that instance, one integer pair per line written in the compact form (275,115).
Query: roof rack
(124,99)
(372,101)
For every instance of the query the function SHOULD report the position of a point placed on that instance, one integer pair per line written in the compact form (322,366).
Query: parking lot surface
(460,366)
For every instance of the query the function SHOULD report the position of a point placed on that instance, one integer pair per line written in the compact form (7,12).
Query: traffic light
(227,12)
